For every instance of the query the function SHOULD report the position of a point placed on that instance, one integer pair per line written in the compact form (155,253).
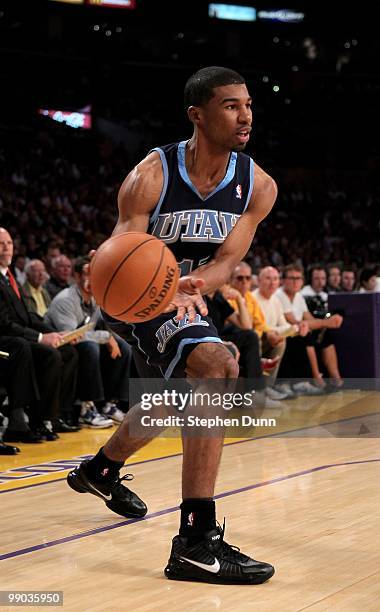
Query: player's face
(6,249)
(227,118)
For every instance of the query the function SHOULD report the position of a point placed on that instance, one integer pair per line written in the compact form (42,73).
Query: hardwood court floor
(307,504)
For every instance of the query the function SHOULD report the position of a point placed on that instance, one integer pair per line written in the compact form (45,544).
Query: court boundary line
(128,465)
(90,532)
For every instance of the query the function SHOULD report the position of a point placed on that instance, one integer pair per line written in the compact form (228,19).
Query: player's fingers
(201,306)
(181,311)
(191,312)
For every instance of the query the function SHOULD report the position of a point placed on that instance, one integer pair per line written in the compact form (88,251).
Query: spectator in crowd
(334,278)
(348,279)
(297,312)
(235,329)
(272,343)
(55,368)
(19,268)
(368,280)
(317,286)
(315,293)
(22,398)
(104,360)
(269,281)
(36,296)
(61,272)
(255,282)
(53,250)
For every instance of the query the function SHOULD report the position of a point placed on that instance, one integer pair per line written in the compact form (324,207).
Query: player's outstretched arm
(219,270)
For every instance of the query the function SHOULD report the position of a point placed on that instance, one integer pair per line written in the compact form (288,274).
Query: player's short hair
(199,88)
(80,263)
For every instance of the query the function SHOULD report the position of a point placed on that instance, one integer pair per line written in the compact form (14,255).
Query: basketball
(133,276)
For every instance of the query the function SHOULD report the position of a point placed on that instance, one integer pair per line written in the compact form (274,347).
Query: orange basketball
(133,276)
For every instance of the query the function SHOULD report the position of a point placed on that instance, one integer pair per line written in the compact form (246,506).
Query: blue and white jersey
(191,225)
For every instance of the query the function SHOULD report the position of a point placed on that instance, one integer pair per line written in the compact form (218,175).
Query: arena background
(315,84)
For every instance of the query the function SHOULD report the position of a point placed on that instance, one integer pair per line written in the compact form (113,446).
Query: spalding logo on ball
(133,276)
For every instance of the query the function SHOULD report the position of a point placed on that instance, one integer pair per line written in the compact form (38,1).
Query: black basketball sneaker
(213,560)
(117,498)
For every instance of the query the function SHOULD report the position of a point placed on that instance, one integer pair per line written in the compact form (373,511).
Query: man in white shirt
(269,281)
(297,312)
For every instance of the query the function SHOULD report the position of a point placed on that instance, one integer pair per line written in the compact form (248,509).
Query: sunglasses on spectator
(241,277)
(294,277)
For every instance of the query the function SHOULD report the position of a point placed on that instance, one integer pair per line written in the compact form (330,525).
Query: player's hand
(113,348)
(52,339)
(188,298)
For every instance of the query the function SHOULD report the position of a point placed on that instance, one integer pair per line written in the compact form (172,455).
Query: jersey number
(186,265)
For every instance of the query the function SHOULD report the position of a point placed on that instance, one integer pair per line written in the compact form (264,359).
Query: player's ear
(193,112)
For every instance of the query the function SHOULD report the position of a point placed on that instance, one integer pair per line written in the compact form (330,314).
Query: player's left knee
(212,360)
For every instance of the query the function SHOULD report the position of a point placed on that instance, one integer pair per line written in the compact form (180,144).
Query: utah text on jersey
(194,226)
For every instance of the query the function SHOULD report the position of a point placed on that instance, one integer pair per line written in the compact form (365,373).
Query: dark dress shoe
(8,450)
(60,426)
(46,434)
(27,437)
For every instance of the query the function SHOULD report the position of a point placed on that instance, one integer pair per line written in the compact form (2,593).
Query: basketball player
(205,199)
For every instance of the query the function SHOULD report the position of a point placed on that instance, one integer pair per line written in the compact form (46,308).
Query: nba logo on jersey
(190,519)
(238,192)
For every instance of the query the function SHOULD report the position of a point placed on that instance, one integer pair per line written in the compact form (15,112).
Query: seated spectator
(269,281)
(297,312)
(22,398)
(60,277)
(317,286)
(334,278)
(104,359)
(235,329)
(53,251)
(55,368)
(36,296)
(368,280)
(272,343)
(19,264)
(348,279)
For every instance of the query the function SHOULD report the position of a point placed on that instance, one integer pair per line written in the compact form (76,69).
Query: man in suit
(54,368)
(18,366)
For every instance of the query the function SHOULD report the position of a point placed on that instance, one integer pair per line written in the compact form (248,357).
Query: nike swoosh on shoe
(99,493)
(213,568)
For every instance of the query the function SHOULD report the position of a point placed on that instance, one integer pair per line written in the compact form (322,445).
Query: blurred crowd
(58,188)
